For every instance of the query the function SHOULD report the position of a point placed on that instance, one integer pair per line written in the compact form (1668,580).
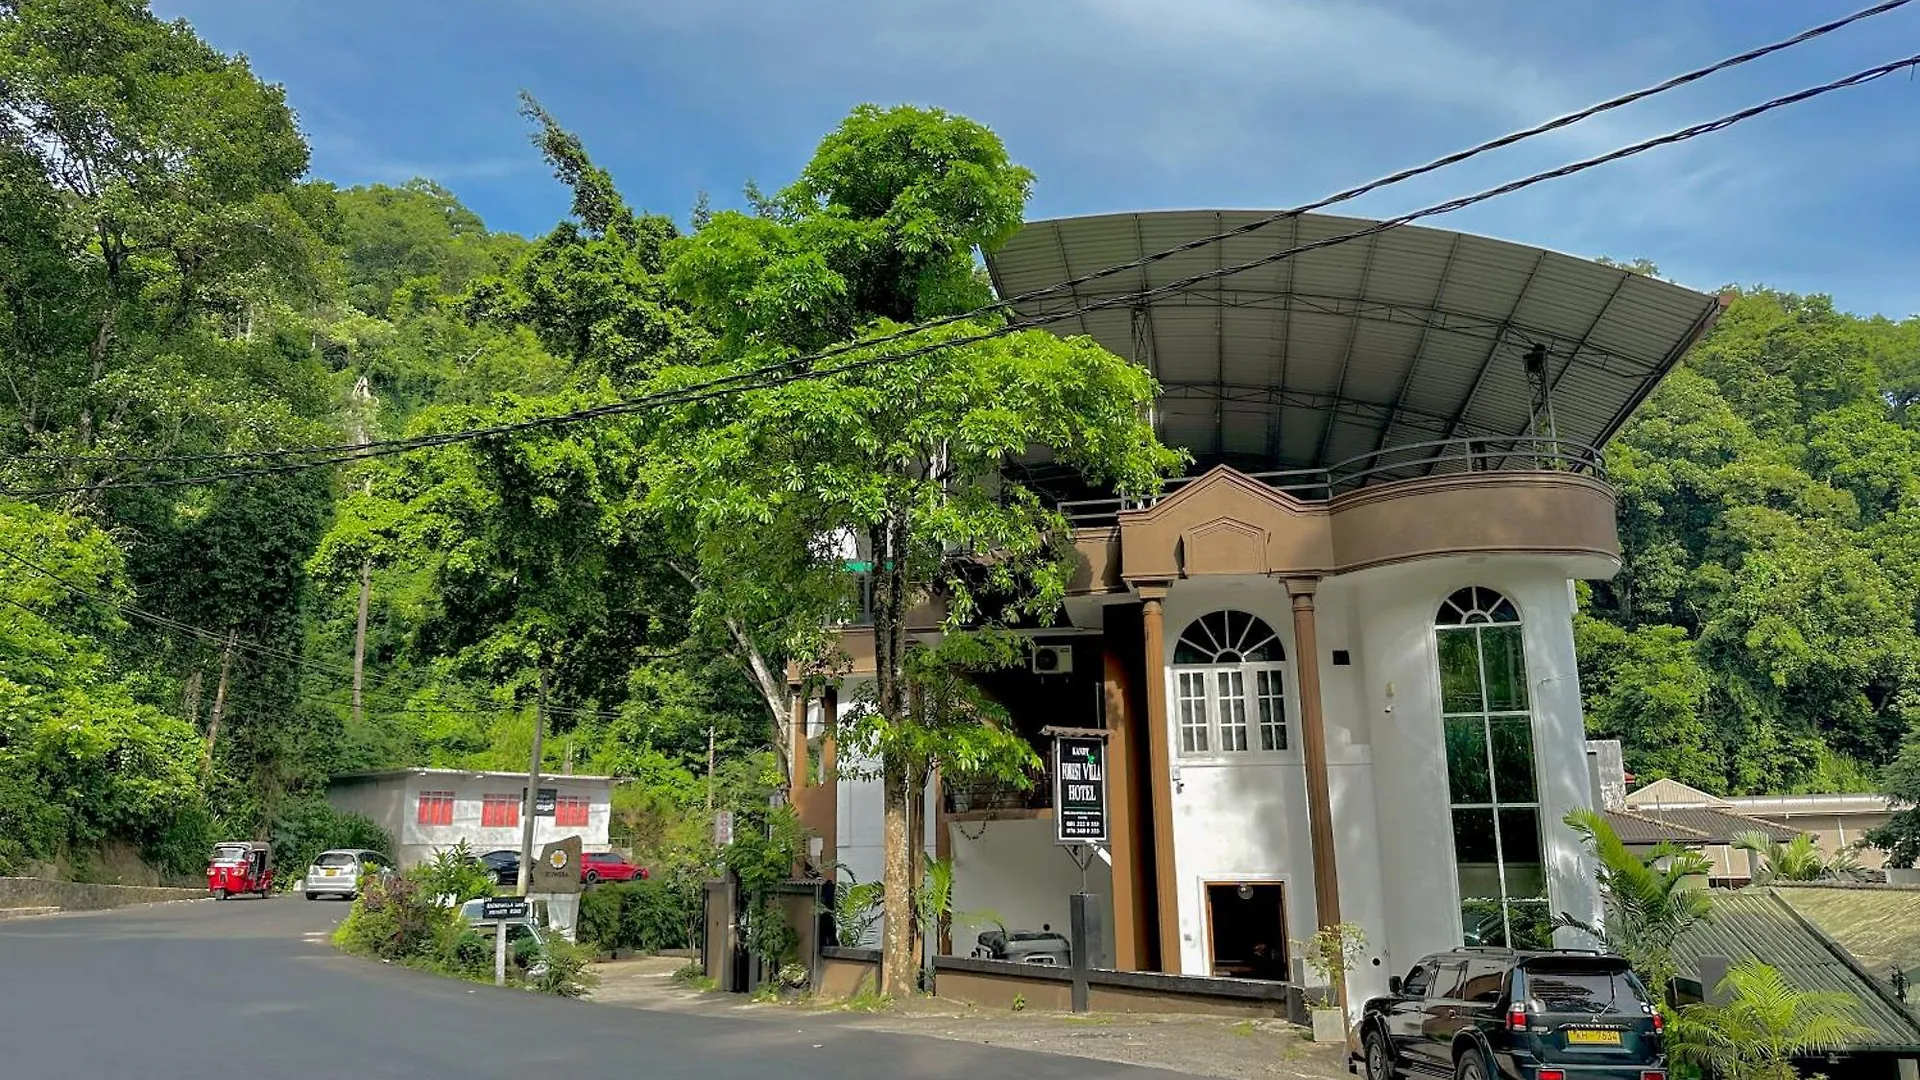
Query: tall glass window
(1229,689)
(1491,782)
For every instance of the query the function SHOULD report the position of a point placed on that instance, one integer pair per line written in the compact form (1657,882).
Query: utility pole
(533,785)
(219,703)
(363,404)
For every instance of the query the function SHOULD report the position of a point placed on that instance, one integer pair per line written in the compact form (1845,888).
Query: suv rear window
(1586,991)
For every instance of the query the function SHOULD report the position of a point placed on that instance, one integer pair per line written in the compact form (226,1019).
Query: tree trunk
(190,697)
(219,701)
(899,973)
(771,683)
(360,640)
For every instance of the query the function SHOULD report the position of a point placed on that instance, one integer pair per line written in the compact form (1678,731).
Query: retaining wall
(18,892)
(996,983)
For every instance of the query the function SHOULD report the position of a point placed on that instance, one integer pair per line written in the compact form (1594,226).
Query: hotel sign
(1080,789)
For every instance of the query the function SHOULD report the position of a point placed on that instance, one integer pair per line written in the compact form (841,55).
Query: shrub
(452,872)
(639,915)
(307,827)
(566,973)
(396,918)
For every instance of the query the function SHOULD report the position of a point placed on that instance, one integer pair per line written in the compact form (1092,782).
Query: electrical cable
(783,372)
(1071,284)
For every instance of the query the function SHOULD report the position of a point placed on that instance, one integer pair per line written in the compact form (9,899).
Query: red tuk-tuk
(240,866)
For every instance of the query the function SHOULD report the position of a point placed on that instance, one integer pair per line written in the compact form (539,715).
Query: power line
(245,645)
(1013,302)
(799,368)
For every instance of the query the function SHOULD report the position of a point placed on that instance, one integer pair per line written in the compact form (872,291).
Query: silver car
(339,873)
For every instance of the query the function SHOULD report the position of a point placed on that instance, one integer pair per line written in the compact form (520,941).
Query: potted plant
(1331,953)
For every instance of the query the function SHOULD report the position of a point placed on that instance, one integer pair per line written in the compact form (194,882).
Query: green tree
(1648,901)
(1765,1026)
(900,458)
(1799,859)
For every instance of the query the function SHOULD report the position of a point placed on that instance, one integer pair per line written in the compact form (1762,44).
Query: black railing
(1449,456)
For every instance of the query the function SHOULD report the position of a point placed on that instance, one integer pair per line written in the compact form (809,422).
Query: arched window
(1218,658)
(1491,779)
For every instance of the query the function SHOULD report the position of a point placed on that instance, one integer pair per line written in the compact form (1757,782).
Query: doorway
(1247,930)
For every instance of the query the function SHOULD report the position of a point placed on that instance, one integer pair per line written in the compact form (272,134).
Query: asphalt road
(251,988)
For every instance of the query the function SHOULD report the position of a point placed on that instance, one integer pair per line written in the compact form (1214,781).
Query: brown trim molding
(1229,523)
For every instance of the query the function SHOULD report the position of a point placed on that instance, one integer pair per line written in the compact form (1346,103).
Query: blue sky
(1136,104)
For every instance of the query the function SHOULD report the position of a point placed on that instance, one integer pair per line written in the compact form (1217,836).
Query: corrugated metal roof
(1784,805)
(1406,336)
(1755,924)
(1692,826)
(1879,925)
(1668,792)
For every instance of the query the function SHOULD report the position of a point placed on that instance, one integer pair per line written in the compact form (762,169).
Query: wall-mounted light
(1246,892)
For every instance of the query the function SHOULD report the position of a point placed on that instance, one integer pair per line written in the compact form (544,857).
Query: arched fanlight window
(1493,792)
(1218,656)
(1475,606)
(1228,637)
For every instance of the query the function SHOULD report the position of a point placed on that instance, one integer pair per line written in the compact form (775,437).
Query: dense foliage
(1762,635)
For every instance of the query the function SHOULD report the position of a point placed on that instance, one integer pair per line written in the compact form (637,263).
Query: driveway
(251,987)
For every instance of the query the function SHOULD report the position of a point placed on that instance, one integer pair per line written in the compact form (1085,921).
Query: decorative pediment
(1225,522)
(1225,546)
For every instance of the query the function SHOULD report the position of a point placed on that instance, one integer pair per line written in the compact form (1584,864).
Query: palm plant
(1764,1026)
(1647,902)
(1799,859)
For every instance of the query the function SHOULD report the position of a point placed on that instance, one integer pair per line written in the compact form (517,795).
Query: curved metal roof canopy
(1407,336)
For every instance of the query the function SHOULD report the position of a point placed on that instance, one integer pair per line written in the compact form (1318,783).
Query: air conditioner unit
(1052,659)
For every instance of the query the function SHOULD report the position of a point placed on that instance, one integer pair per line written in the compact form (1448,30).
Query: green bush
(398,919)
(452,872)
(307,827)
(644,916)
(566,972)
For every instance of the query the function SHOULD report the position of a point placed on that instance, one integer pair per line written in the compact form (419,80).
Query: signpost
(502,910)
(722,828)
(1079,790)
(1080,825)
(544,800)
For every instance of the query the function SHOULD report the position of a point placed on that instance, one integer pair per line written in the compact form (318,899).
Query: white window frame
(1179,683)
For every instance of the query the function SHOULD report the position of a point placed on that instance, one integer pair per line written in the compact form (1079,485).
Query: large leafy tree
(901,456)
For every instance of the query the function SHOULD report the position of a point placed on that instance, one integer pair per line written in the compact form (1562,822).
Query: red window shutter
(500,812)
(570,810)
(436,808)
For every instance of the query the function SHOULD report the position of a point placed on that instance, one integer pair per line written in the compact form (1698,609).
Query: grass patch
(1088,1021)
(1244,1029)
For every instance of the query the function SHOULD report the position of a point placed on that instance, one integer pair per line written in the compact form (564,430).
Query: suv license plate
(1593,1038)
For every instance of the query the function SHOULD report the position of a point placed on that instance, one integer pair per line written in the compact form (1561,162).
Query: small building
(1836,822)
(425,810)
(1710,831)
(1764,924)
(1878,924)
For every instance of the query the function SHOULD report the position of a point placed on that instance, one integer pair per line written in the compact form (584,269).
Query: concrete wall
(1013,872)
(78,896)
(393,803)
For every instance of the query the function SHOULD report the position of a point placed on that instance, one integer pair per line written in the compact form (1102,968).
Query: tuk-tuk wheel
(219,894)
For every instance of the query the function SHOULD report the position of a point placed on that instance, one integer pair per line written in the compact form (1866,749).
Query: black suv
(1506,1014)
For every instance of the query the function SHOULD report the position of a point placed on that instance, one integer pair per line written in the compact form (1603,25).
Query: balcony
(1414,461)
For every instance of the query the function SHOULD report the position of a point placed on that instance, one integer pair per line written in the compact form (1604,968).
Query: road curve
(251,988)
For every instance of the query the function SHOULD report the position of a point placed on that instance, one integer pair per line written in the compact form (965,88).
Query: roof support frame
(1462,324)
(1493,351)
(1219,335)
(1419,347)
(1346,357)
(1073,293)
(1593,327)
(1276,426)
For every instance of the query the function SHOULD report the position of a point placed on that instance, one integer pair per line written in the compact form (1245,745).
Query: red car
(598,866)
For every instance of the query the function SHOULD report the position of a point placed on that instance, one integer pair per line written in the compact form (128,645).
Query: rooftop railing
(1411,461)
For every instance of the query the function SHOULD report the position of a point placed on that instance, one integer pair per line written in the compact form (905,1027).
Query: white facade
(394,801)
(1243,817)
